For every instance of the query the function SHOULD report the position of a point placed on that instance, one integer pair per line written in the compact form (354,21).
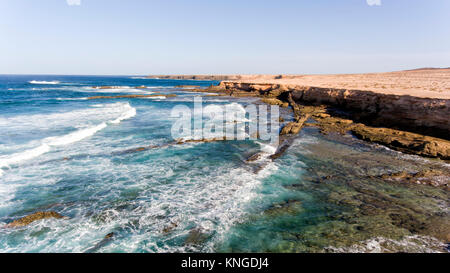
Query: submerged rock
(407,221)
(169,228)
(408,244)
(106,240)
(25,221)
(255,157)
(196,237)
(437,178)
(287,207)
(140,149)
(205,140)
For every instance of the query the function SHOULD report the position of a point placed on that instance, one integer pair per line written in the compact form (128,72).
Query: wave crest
(43,82)
(46,144)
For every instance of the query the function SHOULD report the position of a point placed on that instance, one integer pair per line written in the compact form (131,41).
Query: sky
(140,37)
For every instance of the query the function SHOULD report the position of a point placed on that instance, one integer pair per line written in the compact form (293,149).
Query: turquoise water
(61,152)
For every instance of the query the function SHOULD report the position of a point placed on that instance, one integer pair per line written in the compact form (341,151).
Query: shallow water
(61,152)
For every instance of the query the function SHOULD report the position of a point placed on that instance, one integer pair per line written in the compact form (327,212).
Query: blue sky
(217,36)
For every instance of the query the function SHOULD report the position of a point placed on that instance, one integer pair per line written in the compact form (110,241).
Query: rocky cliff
(198,77)
(428,116)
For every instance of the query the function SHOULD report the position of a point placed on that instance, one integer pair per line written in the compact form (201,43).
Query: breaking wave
(123,110)
(44,82)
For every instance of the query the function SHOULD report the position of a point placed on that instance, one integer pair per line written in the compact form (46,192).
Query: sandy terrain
(427,83)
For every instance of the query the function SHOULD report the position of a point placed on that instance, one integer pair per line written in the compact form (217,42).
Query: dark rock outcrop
(25,221)
(432,177)
(106,240)
(287,207)
(196,237)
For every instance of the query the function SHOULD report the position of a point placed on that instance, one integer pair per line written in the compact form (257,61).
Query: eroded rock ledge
(419,115)
(408,124)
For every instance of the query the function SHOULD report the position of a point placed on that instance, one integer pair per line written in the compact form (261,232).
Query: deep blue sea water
(62,152)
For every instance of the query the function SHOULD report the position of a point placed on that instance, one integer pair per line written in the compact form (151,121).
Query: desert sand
(425,83)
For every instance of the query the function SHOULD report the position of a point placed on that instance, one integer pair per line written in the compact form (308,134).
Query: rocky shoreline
(197,77)
(411,125)
(428,116)
(332,112)
(404,123)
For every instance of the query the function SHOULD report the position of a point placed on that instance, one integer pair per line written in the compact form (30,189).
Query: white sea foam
(267,148)
(155,98)
(127,115)
(23,156)
(207,197)
(117,89)
(192,202)
(71,98)
(124,110)
(411,243)
(44,82)
(75,136)
(77,118)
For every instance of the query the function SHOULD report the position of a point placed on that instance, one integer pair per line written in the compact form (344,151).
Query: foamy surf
(127,115)
(411,243)
(62,99)
(117,89)
(127,112)
(267,148)
(44,82)
(156,98)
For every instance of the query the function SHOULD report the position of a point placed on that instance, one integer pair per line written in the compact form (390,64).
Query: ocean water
(61,152)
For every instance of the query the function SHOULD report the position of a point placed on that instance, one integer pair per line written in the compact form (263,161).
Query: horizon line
(215,74)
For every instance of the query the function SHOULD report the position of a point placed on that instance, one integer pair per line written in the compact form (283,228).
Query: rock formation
(409,124)
(25,221)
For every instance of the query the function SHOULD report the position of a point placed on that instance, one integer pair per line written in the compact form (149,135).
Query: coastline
(425,83)
(320,168)
(411,124)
